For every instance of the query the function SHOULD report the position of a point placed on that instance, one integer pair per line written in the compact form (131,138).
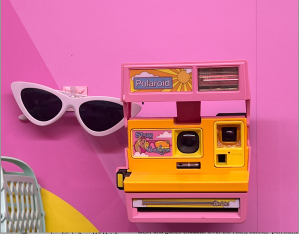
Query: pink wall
(58,43)
(277,115)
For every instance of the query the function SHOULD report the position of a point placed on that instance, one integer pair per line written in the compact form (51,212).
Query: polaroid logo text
(153,83)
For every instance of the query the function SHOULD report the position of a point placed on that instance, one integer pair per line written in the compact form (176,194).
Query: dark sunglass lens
(101,115)
(40,104)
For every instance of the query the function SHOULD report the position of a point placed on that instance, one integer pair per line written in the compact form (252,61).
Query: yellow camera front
(166,155)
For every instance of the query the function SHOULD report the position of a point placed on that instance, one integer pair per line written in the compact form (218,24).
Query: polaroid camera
(189,168)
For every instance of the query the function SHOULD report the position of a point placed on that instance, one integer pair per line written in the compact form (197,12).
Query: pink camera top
(185,83)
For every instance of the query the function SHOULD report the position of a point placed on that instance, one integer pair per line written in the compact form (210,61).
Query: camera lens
(229,134)
(188,142)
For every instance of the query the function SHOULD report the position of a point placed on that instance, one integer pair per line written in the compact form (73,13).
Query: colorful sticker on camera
(152,143)
(161,80)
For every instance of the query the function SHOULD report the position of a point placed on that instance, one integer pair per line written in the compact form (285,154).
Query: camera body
(188,168)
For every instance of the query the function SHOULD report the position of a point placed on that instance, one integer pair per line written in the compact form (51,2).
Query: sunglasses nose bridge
(70,106)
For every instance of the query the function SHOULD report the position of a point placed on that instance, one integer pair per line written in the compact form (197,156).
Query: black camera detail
(222,158)
(188,142)
(229,134)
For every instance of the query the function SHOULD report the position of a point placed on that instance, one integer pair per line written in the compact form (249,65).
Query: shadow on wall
(111,143)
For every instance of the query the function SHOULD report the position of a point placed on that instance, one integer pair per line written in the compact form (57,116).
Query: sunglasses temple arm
(22,117)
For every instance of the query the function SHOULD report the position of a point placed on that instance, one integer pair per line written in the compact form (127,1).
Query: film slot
(188,165)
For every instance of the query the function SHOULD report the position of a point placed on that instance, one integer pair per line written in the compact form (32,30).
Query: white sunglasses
(42,105)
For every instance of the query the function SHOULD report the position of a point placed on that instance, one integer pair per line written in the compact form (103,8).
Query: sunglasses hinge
(82,90)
